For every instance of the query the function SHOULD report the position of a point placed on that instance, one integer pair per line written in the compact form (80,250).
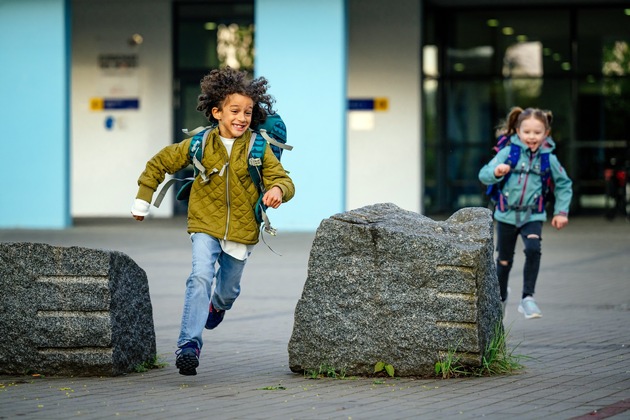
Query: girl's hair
(217,85)
(516,117)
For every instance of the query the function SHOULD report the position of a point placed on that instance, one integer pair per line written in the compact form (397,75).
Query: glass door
(208,35)
(478,64)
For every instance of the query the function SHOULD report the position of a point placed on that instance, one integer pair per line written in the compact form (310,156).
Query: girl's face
(235,116)
(532,132)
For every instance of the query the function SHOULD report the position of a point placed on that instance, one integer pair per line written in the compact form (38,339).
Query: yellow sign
(381,104)
(97,104)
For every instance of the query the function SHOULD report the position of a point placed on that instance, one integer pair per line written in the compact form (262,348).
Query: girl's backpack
(494,191)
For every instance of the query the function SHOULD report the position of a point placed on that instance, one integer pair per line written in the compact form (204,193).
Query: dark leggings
(531,234)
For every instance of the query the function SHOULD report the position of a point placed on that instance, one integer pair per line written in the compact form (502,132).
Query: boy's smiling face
(235,116)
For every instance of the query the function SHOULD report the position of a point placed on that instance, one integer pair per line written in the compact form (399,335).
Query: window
(477,64)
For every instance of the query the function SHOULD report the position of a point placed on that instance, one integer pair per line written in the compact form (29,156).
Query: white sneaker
(529,308)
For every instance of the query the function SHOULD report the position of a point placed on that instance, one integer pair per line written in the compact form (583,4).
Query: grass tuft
(497,359)
(325,371)
(154,363)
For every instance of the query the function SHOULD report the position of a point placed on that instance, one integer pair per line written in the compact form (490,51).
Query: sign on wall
(118,83)
(358,118)
(371,104)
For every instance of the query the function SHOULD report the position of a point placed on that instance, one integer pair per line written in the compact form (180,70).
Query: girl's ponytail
(549,115)
(512,120)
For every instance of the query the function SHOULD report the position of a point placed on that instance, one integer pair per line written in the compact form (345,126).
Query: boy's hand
(501,170)
(140,209)
(273,198)
(559,221)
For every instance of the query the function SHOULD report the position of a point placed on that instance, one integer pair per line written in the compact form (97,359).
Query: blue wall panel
(301,48)
(34,113)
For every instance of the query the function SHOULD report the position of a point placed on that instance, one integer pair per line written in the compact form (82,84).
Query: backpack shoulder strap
(515,154)
(545,167)
(255,153)
(273,141)
(502,141)
(545,172)
(494,191)
(196,131)
(195,151)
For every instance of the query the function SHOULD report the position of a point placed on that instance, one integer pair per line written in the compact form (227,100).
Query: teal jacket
(522,189)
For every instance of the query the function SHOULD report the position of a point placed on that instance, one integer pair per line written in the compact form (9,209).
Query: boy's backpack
(495,191)
(273,132)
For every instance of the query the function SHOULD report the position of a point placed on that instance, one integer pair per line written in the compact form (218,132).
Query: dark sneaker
(187,359)
(215,316)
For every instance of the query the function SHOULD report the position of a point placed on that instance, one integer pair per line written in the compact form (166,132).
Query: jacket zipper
(227,198)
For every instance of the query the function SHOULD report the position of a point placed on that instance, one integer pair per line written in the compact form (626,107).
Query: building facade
(384,101)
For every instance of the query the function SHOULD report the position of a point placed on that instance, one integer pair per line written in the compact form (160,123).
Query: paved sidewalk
(578,353)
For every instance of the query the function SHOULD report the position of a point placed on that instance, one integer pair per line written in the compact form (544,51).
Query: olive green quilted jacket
(222,207)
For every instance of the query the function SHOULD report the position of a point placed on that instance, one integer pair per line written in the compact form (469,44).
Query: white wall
(383,163)
(106,163)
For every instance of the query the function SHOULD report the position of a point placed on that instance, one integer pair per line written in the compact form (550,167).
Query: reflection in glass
(235,46)
(521,61)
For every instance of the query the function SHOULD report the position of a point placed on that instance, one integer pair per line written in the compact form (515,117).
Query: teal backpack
(272,132)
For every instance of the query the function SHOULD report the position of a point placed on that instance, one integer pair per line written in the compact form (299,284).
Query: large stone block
(385,284)
(72,311)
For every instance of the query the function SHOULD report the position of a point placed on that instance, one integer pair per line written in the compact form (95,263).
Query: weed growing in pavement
(497,359)
(450,364)
(272,388)
(154,363)
(325,371)
(380,366)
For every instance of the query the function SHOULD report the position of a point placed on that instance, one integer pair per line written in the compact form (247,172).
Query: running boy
(522,210)
(221,220)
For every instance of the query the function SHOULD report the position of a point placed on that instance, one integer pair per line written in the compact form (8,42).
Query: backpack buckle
(255,161)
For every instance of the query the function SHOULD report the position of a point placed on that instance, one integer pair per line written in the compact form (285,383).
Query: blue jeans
(206,253)
(531,234)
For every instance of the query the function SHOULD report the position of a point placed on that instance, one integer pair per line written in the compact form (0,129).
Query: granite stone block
(73,311)
(386,284)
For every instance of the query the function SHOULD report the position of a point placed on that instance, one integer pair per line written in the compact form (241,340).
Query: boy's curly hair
(217,85)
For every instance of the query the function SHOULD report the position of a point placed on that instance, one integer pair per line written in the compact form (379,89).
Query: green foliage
(497,359)
(311,373)
(380,366)
(325,371)
(154,363)
(272,388)
(450,365)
